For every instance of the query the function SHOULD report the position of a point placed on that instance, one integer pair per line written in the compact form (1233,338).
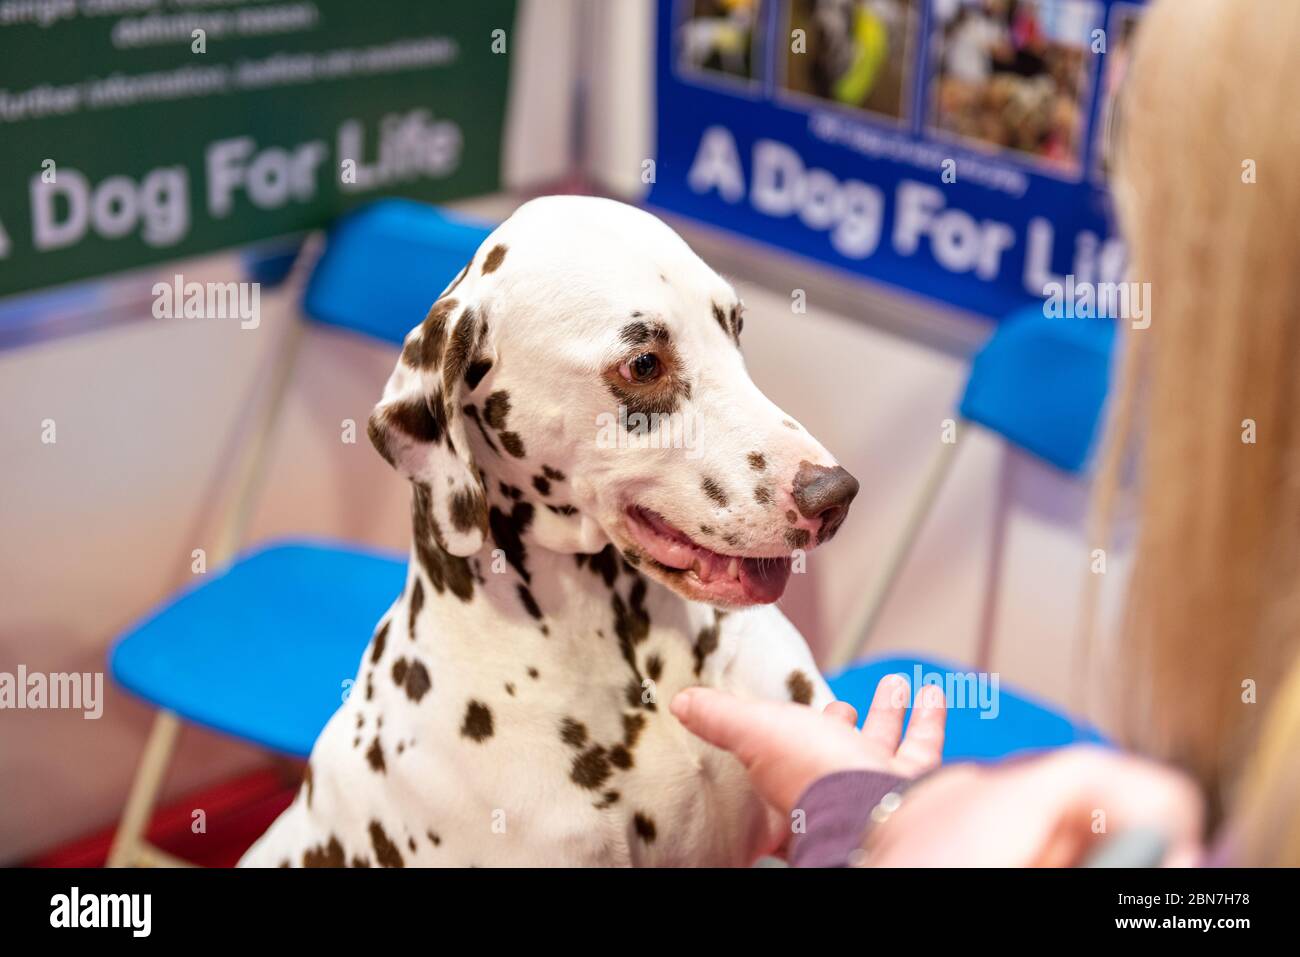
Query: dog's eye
(644,368)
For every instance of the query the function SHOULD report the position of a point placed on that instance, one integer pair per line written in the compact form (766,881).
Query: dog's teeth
(733,568)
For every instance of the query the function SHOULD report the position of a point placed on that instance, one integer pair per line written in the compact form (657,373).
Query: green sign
(136,131)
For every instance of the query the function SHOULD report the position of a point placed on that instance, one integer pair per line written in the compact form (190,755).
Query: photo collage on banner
(954,148)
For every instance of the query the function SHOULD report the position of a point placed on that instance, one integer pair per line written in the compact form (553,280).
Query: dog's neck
(549,568)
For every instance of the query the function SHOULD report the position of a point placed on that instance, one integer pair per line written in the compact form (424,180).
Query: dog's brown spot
(424,349)
(714,491)
(464,344)
(591,768)
(620,757)
(468,509)
(399,671)
(417,681)
(497,408)
(360,861)
(327,855)
(512,443)
(478,722)
(375,755)
(494,259)
(796,537)
(508,530)
(510,688)
(529,602)
(573,732)
(386,852)
(721,318)
(800,687)
(472,411)
(763,495)
(654,667)
(534,673)
(645,827)
(757,461)
(445,571)
(434,839)
(706,643)
(381,639)
(417,602)
(791,517)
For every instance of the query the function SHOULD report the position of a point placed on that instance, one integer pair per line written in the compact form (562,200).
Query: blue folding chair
(264,649)
(1041,384)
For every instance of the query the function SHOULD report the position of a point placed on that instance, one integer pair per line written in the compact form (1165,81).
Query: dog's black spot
(757,461)
(410,843)
(434,839)
(591,768)
(542,484)
(375,755)
(763,495)
(494,259)
(608,799)
(399,671)
(529,602)
(512,443)
(654,667)
(417,602)
(706,643)
(555,475)
(645,827)
(714,491)
(508,532)
(386,852)
(509,491)
(381,639)
(706,529)
(737,323)
(800,687)
(573,732)
(565,510)
(497,408)
(796,537)
(635,334)
(477,725)
(327,855)
(620,757)
(476,371)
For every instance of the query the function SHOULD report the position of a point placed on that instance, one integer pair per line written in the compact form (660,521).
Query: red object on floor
(235,814)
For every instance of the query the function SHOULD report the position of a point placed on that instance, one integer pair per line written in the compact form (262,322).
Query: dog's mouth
(703,574)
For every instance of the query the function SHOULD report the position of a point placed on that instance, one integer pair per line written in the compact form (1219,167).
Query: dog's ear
(419,428)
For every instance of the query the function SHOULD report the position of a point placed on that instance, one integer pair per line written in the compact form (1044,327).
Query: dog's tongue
(764,578)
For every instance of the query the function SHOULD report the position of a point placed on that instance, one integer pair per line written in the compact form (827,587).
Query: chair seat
(1014,722)
(265,649)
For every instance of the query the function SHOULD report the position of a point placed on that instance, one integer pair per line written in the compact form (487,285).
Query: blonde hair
(1212,622)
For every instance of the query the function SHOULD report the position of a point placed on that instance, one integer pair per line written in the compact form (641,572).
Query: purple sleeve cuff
(837,811)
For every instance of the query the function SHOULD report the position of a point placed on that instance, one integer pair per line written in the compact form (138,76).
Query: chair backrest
(1041,383)
(385,264)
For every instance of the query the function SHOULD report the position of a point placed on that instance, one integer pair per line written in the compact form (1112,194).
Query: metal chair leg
(129,848)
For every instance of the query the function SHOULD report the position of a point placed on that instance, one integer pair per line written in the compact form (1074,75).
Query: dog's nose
(824,493)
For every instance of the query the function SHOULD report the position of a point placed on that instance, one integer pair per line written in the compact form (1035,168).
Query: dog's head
(585,369)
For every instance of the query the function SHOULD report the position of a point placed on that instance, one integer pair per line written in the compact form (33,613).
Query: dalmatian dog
(604,510)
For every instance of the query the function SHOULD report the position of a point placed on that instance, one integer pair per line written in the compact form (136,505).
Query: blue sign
(953,148)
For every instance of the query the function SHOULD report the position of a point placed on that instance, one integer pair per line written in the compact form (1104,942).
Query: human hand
(1048,811)
(785,747)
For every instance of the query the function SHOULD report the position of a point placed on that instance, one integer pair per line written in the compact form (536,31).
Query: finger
(842,711)
(746,728)
(922,746)
(884,724)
